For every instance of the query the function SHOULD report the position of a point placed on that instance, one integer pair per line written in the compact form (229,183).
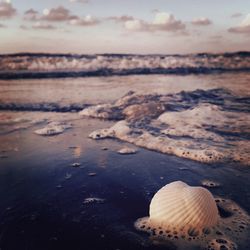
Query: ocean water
(199,104)
(68,65)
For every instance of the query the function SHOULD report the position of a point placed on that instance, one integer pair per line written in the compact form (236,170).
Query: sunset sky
(119,26)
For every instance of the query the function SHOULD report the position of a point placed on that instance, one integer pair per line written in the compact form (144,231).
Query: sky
(124,26)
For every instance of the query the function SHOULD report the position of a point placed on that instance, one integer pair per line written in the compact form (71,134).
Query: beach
(124,125)
(68,191)
(42,207)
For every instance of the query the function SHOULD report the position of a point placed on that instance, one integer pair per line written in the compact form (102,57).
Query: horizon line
(121,54)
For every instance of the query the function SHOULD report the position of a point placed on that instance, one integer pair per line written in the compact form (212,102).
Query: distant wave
(202,125)
(25,65)
(43,107)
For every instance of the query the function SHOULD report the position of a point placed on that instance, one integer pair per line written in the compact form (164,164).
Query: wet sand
(96,90)
(46,203)
(43,202)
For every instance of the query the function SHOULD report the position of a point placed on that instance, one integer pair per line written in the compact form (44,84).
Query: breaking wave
(43,107)
(27,65)
(202,125)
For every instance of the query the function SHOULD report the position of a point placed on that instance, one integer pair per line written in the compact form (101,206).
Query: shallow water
(26,94)
(43,197)
(202,125)
(41,208)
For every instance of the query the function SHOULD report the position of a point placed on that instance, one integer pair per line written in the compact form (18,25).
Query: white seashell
(178,205)
(189,216)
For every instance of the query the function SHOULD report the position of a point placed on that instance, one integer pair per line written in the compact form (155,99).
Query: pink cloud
(85,21)
(202,21)
(58,14)
(162,22)
(243,27)
(6,10)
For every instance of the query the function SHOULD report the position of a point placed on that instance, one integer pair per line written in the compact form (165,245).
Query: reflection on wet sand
(77,152)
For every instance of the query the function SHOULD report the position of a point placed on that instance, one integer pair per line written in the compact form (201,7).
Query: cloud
(31,12)
(85,21)
(122,19)
(58,14)
(201,21)
(43,26)
(23,27)
(136,25)
(165,21)
(236,15)
(162,22)
(6,10)
(243,27)
(31,15)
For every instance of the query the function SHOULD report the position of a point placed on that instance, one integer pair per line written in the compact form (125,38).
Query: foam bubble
(119,130)
(138,111)
(93,200)
(221,244)
(76,164)
(53,128)
(99,111)
(142,138)
(197,122)
(127,150)
(210,183)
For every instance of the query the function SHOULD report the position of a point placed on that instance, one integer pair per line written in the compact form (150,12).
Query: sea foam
(62,65)
(53,128)
(194,125)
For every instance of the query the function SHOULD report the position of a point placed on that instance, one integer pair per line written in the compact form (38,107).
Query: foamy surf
(53,128)
(44,123)
(70,65)
(206,126)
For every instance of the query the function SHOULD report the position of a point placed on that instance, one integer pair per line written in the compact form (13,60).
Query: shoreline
(38,194)
(69,191)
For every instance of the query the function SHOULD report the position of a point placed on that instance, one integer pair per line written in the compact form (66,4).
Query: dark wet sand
(41,209)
